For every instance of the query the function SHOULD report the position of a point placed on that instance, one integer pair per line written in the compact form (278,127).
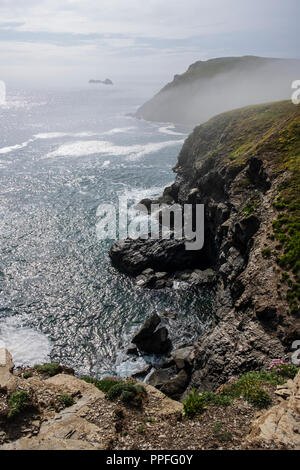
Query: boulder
(135,256)
(175,387)
(206,277)
(184,357)
(280,425)
(160,377)
(7,380)
(147,329)
(150,340)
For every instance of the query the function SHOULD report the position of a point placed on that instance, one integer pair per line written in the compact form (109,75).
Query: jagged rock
(158,343)
(7,380)
(132,350)
(184,357)
(201,278)
(147,329)
(257,174)
(152,340)
(280,425)
(244,231)
(86,425)
(134,256)
(161,376)
(177,385)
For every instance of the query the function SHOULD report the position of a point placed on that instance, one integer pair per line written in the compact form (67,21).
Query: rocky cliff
(244,166)
(214,86)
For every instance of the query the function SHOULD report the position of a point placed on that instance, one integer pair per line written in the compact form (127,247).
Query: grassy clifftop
(238,134)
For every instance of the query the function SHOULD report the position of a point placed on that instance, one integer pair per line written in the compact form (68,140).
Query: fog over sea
(62,154)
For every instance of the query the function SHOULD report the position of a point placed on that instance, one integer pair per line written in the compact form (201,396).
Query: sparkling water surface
(62,154)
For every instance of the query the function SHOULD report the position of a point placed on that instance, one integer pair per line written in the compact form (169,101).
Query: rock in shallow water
(151,340)
(135,256)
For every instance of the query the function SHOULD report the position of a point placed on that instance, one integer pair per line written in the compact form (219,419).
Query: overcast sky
(61,40)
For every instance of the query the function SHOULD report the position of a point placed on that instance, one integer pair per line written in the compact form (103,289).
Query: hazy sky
(61,40)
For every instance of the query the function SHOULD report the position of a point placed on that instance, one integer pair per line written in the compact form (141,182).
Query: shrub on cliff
(280,368)
(128,393)
(248,387)
(66,400)
(17,402)
(194,404)
(52,368)
(104,384)
(216,399)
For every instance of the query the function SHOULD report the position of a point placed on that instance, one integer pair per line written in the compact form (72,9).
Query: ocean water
(62,154)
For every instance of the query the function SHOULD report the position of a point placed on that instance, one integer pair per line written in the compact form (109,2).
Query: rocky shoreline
(234,167)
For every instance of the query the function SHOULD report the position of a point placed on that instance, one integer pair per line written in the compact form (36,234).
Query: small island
(107,81)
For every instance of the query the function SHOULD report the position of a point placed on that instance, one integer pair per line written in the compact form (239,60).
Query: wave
(84,148)
(15,147)
(168,130)
(26,345)
(137,194)
(16,103)
(55,135)
(119,130)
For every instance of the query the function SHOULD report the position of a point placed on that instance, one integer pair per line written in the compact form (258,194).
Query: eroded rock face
(7,380)
(280,425)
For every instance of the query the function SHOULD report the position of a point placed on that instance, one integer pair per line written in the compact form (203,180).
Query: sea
(63,153)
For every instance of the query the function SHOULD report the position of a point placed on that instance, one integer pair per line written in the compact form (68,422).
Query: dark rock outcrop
(134,256)
(151,339)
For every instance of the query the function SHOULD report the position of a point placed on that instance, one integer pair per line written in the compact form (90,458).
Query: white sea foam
(106,164)
(56,135)
(91,147)
(119,130)
(48,135)
(15,147)
(168,130)
(137,194)
(26,345)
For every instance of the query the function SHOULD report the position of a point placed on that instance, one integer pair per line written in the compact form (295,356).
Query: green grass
(250,208)
(51,369)
(216,399)
(27,375)
(249,386)
(66,400)
(102,384)
(266,253)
